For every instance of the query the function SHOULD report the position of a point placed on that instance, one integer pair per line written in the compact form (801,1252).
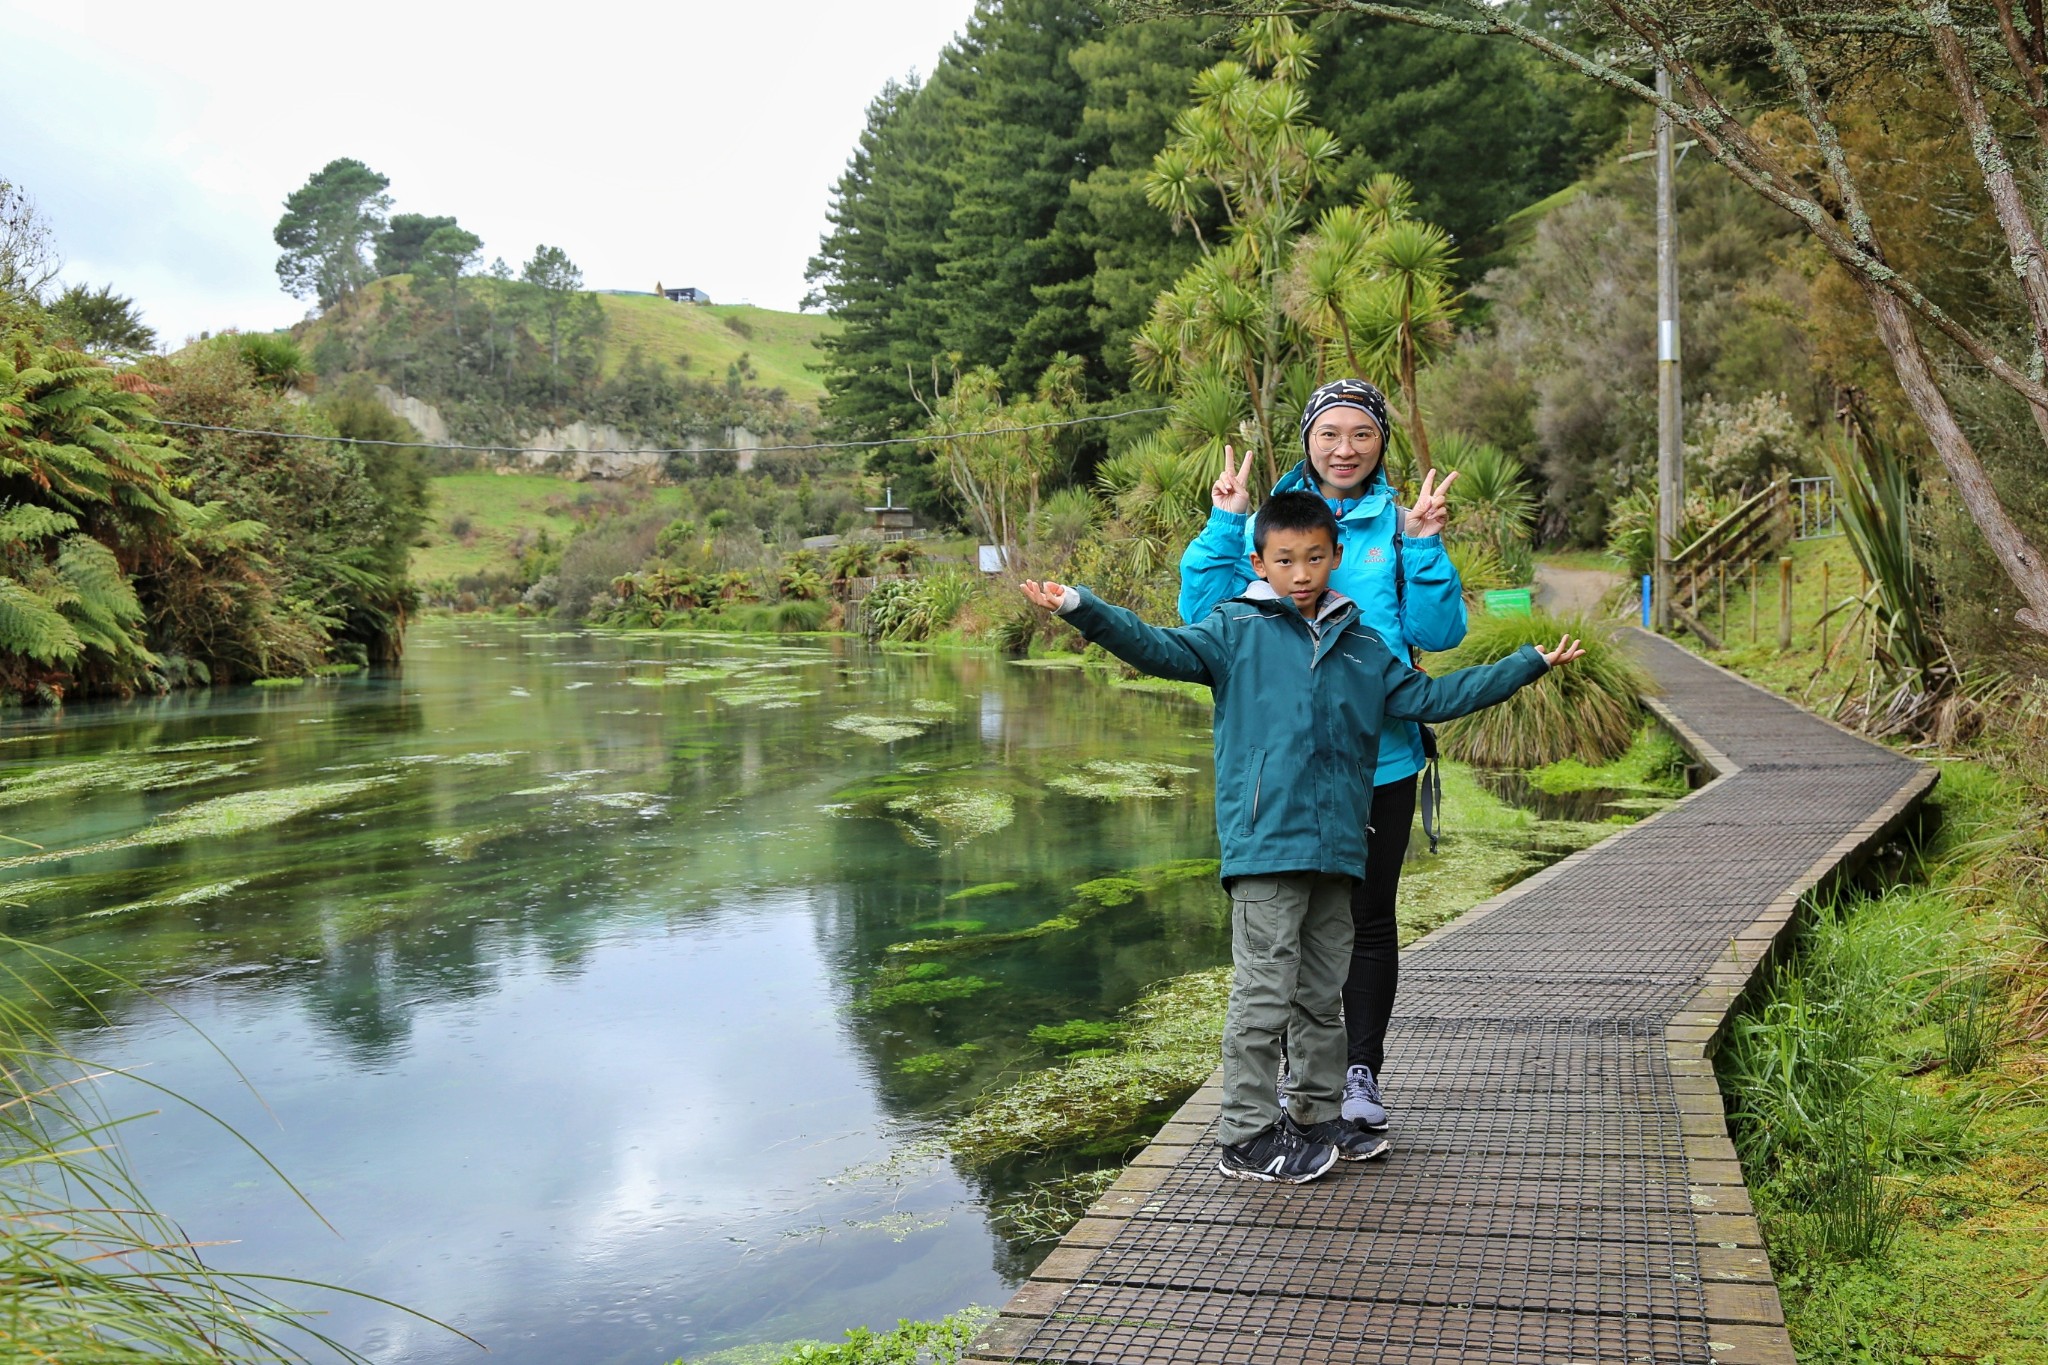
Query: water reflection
(566,1021)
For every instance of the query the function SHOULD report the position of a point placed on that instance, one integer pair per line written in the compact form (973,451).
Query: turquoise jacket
(1429,614)
(1299,706)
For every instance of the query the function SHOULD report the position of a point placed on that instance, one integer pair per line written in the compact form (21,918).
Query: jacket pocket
(1254,788)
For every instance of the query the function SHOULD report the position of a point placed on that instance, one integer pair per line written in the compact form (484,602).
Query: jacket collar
(1373,501)
(1333,603)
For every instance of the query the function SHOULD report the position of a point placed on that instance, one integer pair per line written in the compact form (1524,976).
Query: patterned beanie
(1344,393)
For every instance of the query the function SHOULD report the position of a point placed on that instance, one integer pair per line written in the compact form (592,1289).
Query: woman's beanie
(1344,393)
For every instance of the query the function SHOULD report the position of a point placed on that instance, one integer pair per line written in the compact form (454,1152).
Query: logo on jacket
(1374,554)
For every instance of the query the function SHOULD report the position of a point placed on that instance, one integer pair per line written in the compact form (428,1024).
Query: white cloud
(695,143)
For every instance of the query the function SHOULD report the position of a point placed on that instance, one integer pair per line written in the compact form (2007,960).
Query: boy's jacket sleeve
(1215,567)
(1432,597)
(1188,654)
(1414,695)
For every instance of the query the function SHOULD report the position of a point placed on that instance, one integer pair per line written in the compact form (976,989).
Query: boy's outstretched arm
(1186,655)
(1414,695)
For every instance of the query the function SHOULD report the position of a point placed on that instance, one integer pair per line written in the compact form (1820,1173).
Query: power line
(673,450)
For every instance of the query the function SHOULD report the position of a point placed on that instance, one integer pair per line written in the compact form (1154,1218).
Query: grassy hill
(483,522)
(783,347)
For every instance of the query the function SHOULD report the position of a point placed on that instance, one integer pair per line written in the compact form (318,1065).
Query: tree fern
(26,523)
(32,628)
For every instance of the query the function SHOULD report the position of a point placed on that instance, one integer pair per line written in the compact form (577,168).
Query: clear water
(554,1003)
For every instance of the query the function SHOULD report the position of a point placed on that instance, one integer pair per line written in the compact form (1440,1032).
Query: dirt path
(1567,592)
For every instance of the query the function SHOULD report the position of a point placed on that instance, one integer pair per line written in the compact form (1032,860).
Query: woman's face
(1344,448)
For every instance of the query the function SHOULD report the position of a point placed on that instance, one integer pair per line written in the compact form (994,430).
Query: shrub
(916,608)
(1588,710)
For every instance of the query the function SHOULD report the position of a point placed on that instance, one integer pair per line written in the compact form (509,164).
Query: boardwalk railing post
(1752,601)
(1785,605)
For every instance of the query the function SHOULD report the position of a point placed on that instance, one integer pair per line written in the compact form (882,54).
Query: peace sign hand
(1432,510)
(1230,493)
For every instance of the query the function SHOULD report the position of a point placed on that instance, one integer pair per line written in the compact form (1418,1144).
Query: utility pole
(1670,439)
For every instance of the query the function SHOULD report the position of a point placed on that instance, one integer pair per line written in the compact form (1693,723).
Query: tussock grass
(1587,710)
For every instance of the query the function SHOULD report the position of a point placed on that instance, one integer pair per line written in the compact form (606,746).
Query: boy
(1301,688)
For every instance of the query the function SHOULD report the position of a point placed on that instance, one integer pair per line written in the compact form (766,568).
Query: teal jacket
(1299,707)
(1427,613)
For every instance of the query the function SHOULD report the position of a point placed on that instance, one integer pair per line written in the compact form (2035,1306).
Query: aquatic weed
(1075,1034)
(968,814)
(1170,1045)
(969,893)
(1044,1210)
(952,926)
(932,992)
(882,729)
(218,818)
(1107,780)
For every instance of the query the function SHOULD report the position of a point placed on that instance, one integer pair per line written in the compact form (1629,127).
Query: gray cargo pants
(1290,949)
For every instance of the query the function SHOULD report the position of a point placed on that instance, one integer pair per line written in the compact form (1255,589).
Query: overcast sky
(694,143)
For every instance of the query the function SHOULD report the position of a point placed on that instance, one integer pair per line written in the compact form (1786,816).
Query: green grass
(499,509)
(1899,1184)
(782,347)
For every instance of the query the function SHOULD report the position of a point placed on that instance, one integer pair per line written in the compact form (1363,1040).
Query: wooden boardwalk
(1562,1188)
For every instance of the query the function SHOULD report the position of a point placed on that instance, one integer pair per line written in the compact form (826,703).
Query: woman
(1395,568)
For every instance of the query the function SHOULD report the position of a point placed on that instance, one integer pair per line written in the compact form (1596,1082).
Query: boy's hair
(1294,510)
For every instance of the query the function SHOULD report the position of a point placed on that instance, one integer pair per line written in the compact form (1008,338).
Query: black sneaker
(1352,1142)
(1280,1153)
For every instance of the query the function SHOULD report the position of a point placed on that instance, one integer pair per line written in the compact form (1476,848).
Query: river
(547,957)
(557,970)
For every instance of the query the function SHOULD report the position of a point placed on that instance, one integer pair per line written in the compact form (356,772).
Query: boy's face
(1298,564)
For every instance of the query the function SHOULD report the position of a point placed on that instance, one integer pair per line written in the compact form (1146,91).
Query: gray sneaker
(1362,1103)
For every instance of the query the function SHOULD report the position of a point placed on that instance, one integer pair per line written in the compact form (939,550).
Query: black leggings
(1376,935)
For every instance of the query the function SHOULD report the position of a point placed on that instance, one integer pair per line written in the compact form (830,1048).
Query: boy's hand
(1567,650)
(1047,594)
(1432,509)
(1230,493)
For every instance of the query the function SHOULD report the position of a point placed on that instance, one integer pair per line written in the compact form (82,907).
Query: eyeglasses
(1366,440)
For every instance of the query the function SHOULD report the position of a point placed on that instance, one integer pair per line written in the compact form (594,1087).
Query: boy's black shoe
(1280,1153)
(1352,1142)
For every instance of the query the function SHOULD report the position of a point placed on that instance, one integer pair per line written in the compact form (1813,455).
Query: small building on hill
(687,294)
(893,522)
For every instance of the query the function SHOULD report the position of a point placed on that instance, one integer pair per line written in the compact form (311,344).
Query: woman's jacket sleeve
(1432,597)
(1217,566)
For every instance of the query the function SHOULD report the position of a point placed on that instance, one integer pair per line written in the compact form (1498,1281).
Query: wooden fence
(1744,537)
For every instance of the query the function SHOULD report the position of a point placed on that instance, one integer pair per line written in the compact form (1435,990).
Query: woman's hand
(1047,594)
(1230,493)
(1567,650)
(1432,509)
